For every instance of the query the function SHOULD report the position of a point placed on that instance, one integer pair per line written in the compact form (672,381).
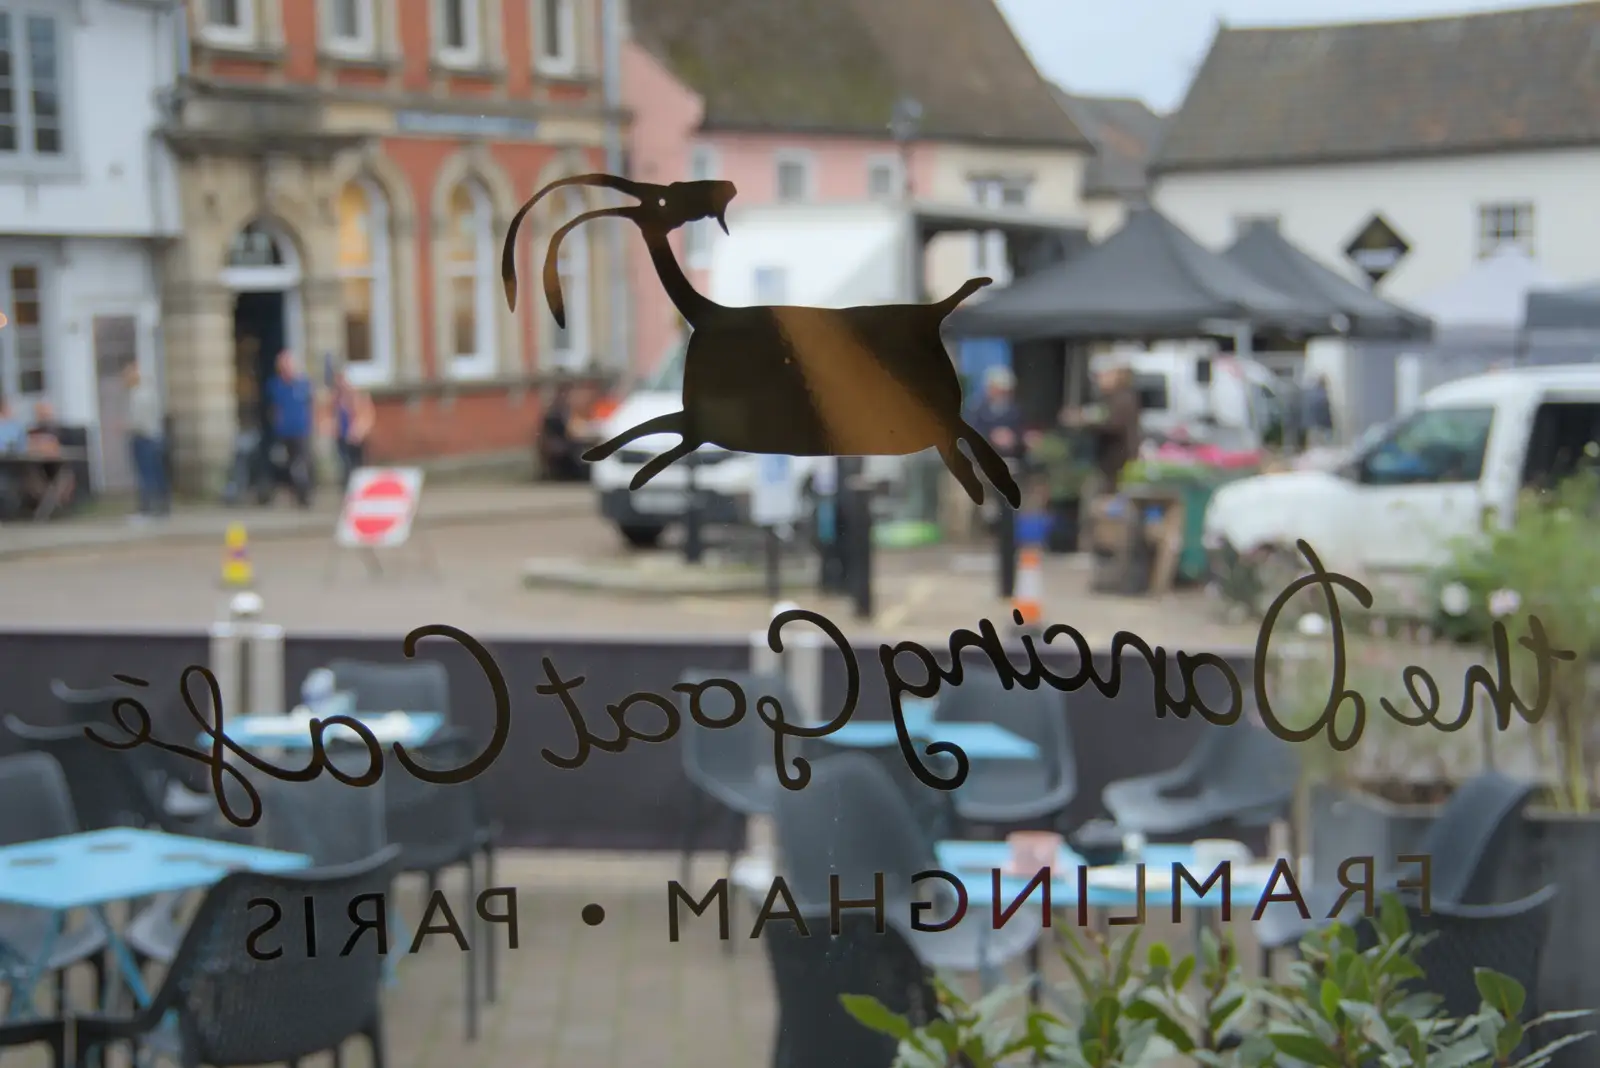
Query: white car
(1391,513)
(725,479)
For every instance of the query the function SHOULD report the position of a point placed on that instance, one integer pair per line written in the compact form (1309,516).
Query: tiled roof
(1497,81)
(1124,132)
(838,66)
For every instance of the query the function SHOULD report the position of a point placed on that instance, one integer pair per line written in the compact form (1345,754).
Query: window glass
(793,176)
(1434,445)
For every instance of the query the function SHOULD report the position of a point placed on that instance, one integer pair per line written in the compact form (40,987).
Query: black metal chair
(1467,844)
(441,827)
(233,1009)
(115,788)
(412,686)
(1001,792)
(852,822)
(730,765)
(35,804)
(50,1032)
(812,971)
(1241,774)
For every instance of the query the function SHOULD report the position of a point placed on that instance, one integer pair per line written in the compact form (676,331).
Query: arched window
(471,269)
(364,282)
(569,347)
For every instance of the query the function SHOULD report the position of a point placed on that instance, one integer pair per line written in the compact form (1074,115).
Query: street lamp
(904,122)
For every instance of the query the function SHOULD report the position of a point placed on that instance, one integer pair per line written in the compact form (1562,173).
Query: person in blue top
(289,402)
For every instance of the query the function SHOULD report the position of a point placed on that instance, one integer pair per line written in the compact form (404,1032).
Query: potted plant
(1342,1007)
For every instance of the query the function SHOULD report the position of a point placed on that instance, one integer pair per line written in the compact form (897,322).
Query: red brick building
(347,172)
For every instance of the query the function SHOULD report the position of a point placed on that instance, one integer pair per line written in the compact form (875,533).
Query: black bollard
(694,546)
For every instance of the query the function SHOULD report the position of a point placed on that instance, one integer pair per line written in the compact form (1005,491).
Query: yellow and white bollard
(237,571)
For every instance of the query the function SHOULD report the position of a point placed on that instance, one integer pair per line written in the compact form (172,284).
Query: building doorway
(259,334)
(263,270)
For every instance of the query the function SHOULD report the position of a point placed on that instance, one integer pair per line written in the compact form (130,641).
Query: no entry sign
(379,507)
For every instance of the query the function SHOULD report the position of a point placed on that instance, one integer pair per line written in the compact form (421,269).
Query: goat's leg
(993,465)
(662,462)
(661,424)
(961,467)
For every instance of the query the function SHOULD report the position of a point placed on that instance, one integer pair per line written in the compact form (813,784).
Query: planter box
(1547,847)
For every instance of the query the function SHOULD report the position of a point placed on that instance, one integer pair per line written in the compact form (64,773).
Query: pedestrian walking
(289,402)
(353,416)
(147,445)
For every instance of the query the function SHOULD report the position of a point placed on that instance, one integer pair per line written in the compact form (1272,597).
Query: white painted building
(87,195)
(1432,126)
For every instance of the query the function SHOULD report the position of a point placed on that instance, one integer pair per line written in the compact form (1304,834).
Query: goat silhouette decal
(873,380)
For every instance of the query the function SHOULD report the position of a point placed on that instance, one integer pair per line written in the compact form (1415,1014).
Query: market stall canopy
(1148,280)
(1272,259)
(1492,296)
(1564,309)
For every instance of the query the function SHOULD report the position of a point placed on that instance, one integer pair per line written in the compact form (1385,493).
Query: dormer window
(229,22)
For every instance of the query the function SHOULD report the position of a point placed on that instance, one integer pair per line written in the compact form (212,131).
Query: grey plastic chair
(1241,774)
(50,1032)
(999,792)
(411,686)
(329,821)
(232,1009)
(1468,844)
(852,822)
(1508,938)
(810,972)
(34,805)
(732,766)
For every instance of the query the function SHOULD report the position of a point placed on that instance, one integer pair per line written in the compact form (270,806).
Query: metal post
(830,527)
(694,548)
(1006,545)
(774,549)
(858,533)
(266,669)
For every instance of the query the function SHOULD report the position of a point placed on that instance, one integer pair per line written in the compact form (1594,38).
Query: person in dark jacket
(1113,424)
(996,416)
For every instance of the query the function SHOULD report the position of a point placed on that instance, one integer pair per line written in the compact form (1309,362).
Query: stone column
(201,397)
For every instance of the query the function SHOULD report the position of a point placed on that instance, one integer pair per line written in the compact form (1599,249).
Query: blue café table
(973,863)
(293,733)
(92,870)
(980,741)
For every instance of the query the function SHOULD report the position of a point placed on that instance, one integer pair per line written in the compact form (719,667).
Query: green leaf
(873,1014)
(1502,992)
(1180,974)
(1392,921)
(1124,967)
(1166,1026)
(1160,956)
(1505,1044)
(1222,1012)
(1305,1048)
(1328,998)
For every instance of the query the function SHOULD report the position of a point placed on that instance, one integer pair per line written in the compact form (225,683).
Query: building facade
(88,199)
(1402,152)
(348,169)
(793,103)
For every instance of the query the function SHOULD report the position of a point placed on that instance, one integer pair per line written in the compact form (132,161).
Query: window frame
(12,336)
(897,177)
(704,163)
(245,35)
(991,244)
(379,275)
(26,159)
(566,64)
(1364,462)
(1491,214)
(799,158)
(471,53)
(482,363)
(365,43)
(577,293)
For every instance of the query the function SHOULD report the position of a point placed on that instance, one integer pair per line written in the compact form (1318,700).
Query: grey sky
(1151,48)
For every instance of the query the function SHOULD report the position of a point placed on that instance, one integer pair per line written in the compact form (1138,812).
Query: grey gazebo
(1149,280)
(1272,259)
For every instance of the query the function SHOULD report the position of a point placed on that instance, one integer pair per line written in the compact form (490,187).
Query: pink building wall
(666,118)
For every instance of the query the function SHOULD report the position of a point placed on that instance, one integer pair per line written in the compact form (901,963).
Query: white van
(725,479)
(1189,384)
(1389,514)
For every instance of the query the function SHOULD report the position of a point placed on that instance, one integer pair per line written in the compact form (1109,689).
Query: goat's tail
(949,304)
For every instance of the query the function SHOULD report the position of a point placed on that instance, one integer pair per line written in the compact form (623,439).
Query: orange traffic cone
(1027,601)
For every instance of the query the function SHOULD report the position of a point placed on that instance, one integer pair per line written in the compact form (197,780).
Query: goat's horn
(552,276)
(508,269)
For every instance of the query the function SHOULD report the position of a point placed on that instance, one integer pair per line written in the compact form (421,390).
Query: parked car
(1390,513)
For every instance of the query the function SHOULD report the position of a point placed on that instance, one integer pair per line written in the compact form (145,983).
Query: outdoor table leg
(125,963)
(20,1004)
